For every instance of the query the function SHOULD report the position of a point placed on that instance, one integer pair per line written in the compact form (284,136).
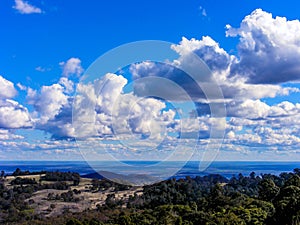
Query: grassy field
(88,199)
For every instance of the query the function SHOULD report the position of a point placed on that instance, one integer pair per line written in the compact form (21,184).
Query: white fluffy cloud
(231,88)
(101,108)
(49,101)
(7,89)
(7,135)
(207,49)
(268,54)
(72,67)
(265,137)
(269,49)
(256,124)
(67,84)
(24,7)
(53,108)
(13,115)
(256,109)
(221,64)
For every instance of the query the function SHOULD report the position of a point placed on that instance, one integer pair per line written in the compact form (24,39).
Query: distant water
(227,169)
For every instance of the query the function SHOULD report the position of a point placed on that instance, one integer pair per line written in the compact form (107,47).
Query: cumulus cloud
(53,104)
(53,108)
(256,124)
(49,102)
(24,7)
(13,115)
(207,49)
(236,89)
(220,63)
(268,55)
(101,108)
(256,109)
(67,84)
(71,67)
(7,88)
(266,137)
(277,137)
(269,49)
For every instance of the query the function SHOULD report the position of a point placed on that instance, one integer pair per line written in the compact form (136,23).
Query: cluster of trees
(68,196)
(22,181)
(62,176)
(19,172)
(176,192)
(105,184)
(59,185)
(13,205)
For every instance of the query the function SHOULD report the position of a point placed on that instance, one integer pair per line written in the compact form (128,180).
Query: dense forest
(213,199)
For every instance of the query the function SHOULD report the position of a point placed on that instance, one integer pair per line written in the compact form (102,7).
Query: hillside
(66,198)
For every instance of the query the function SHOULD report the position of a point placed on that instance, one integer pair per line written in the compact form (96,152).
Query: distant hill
(93,176)
(131,179)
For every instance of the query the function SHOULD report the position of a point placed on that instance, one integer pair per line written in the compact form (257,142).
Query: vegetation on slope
(265,199)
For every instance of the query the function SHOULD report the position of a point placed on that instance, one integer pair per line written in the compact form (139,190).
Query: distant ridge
(93,176)
(131,179)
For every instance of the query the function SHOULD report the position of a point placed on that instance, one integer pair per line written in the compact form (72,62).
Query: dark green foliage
(74,222)
(62,176)
(60,185)
(267,189)
(105,184)
(19,172)
(208,200)
(21,181)
(68,197)
(179,191)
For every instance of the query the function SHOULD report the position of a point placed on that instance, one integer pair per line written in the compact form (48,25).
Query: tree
(267,189)
(287,205)
(297,171)
(17,172)
(125,220)
(294,180)
(74,221)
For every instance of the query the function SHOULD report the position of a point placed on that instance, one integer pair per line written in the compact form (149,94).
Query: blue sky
(46,46)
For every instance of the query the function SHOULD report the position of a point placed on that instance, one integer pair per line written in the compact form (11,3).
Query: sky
(147,109)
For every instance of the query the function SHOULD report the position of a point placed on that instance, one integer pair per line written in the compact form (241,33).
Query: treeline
(62,176)
(23,181)
(19,172)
